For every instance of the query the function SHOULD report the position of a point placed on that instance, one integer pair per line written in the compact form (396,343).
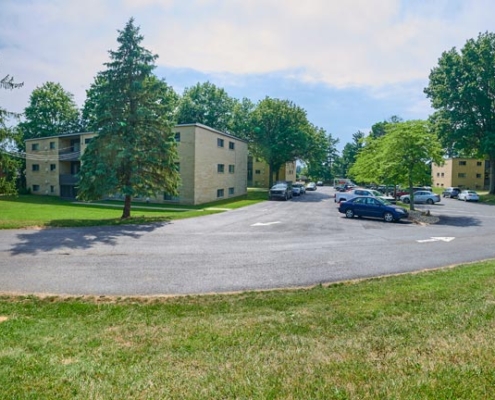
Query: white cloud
(352,43)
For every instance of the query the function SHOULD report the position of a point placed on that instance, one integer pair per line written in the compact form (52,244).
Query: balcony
(67,179)
(72,154)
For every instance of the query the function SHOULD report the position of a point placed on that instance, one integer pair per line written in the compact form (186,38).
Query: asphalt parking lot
(274,244)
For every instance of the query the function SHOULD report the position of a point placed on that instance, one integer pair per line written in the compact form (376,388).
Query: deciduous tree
(462,90)
(280,133)
(51,111)
(135,153)
(9,139)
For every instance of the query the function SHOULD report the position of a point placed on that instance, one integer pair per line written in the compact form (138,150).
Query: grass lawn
(46,211)
(421,336)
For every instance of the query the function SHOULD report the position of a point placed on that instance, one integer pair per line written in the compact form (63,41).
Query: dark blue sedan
(372,207)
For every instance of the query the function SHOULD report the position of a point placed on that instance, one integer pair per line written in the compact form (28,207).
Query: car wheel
(388,217)
(286,197)
(429,201)
(349,213)
(407,200)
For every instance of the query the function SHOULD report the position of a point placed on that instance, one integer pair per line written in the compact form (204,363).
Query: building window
(170,197)
(478,176)
(442,174)
(231,169)
(220,142)
(87,140)
(36,188)
(220,193)
(53,167)
(52,145)
(220,168)
(35,147)
(257,172)
(461,175)
(462,162)
(52,189)
(479,163)
(231,145)
(438,174)
(36,167)
(231,191)
(177,136)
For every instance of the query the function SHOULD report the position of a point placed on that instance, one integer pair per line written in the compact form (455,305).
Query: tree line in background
(134,112)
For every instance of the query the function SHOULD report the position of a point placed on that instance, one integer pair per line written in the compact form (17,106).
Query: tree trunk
(411,194)
(126,213)
(491,189)
(270,176)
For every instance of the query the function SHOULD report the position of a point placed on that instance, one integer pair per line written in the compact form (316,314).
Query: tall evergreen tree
(135,153)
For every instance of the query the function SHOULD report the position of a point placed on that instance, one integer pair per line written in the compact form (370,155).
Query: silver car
(468,195)
(421,196)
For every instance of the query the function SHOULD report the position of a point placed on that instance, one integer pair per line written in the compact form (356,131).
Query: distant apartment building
(258,173)
(465,173)
(212,165)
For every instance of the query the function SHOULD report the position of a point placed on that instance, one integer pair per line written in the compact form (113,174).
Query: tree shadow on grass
(79,238)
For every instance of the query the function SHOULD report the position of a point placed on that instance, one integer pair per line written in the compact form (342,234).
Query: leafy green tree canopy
(51,111)
(280,133)
(135,153)
(9,138)
(206,104)
(462,90)
(402,156)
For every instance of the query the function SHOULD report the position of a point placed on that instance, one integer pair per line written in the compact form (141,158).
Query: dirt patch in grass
(3,318)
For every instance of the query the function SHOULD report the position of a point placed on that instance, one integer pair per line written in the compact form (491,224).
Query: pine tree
(135,153)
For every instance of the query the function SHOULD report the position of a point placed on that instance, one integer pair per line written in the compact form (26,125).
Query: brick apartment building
(212,165)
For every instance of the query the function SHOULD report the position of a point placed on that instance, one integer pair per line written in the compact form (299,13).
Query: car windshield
(376,193)
(279,186)
(471,192)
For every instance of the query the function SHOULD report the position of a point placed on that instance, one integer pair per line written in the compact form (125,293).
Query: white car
(468,195)
(421,196)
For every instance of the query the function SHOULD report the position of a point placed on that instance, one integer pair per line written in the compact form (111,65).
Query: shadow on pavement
(458,221)
(44,240)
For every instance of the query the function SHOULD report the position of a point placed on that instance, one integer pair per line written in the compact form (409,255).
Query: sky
(348,63)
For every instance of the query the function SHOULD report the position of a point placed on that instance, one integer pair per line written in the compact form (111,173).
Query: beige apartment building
(259,173)
(465,173)
(212,164)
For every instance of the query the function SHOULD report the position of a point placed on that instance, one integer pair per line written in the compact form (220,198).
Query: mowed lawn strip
(46,211)
(422,336)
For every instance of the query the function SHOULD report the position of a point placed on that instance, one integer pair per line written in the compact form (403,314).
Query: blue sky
(349,63)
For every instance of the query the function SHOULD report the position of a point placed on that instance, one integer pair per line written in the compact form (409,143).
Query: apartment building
(465,173)
(212,164)
(259,173)
(52,163)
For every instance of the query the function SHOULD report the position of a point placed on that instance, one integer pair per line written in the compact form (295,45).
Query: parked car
(300,186)
(403,191)
(372,207)
(345,196)
(281,191)
(468,195)
(319,183)
(422,196)
(311,186)
(451,192)
(296,190)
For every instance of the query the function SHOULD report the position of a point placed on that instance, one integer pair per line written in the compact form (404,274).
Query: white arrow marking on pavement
(265,223)
(437,239)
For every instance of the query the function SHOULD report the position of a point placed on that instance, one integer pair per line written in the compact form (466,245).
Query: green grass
(422,336)
(46,211)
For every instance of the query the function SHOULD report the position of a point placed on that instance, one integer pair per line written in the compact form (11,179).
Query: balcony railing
(67,179)
(69,155)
